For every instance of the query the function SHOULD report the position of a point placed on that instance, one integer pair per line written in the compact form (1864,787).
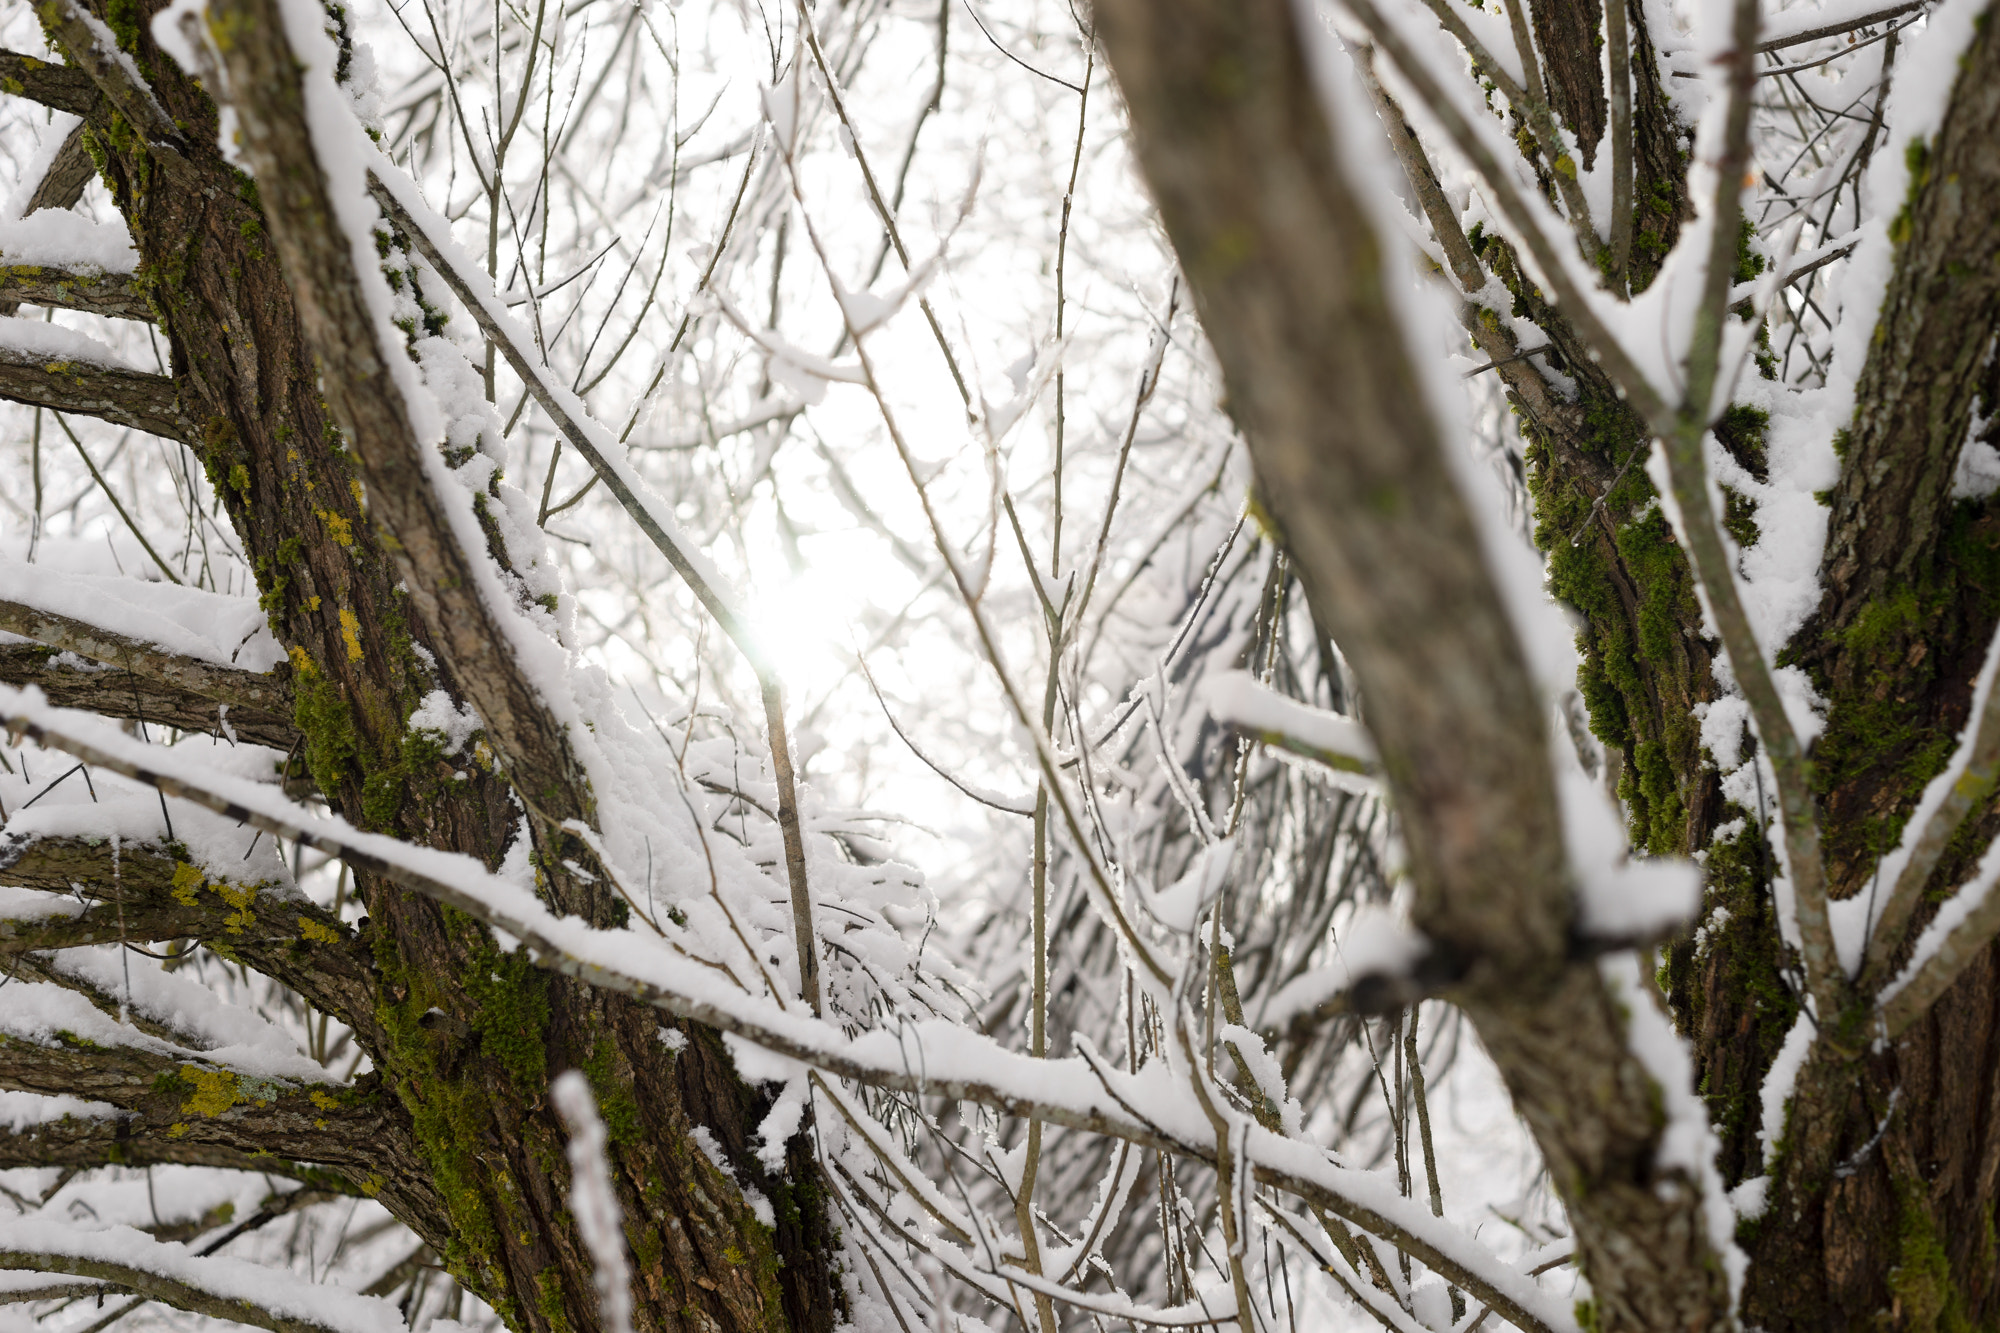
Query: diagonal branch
(1977,925)
(1965,785)
(69,173)
(590,439)
(92,49)
(451,584)
(1573,299)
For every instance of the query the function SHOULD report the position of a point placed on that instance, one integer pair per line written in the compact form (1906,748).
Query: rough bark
(1567,31)
(122,397)
(116,692)
(365,594)
(151,895)
(1233,141)
(1875,1219)
(1885,1196)
(355,1139)
(95,293)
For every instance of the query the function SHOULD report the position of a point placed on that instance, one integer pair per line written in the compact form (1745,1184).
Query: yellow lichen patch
(312,602)
(175,1131)
(187,882)
(337,526)
(350,631)
(214,1090)
(354,484)
(318,934)
(324,1100)
(238,896)
(302,661)
(373,1185)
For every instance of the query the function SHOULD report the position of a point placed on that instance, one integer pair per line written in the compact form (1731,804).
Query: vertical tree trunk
(465,1035)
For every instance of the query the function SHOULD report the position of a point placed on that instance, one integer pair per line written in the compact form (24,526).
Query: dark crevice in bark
(1568,32)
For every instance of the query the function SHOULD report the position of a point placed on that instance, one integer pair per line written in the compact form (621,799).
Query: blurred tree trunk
(1882,1200)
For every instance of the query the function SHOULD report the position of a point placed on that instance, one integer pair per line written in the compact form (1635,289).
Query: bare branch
(116,692)
(1835,29)
(150,896)
(123,397)
(62,87)
(95,293)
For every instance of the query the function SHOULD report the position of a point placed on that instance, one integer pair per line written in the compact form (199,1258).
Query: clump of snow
(190,622)
(1179,906)
(454,723)
(1239,697)
(1620,897)
(46,1015)
(60,238)
(1776,1094)
(32,340)
(21,1111)
(1749,1198)
(1978,473)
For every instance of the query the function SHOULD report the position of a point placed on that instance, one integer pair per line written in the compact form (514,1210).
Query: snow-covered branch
(1151,1108)
(228,1289)
(171,637)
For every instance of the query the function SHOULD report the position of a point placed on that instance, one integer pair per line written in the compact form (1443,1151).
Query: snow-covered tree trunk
(1884,1183)
(279,382)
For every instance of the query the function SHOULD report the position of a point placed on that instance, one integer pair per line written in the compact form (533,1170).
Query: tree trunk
(466,1037)
(1881,1206)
